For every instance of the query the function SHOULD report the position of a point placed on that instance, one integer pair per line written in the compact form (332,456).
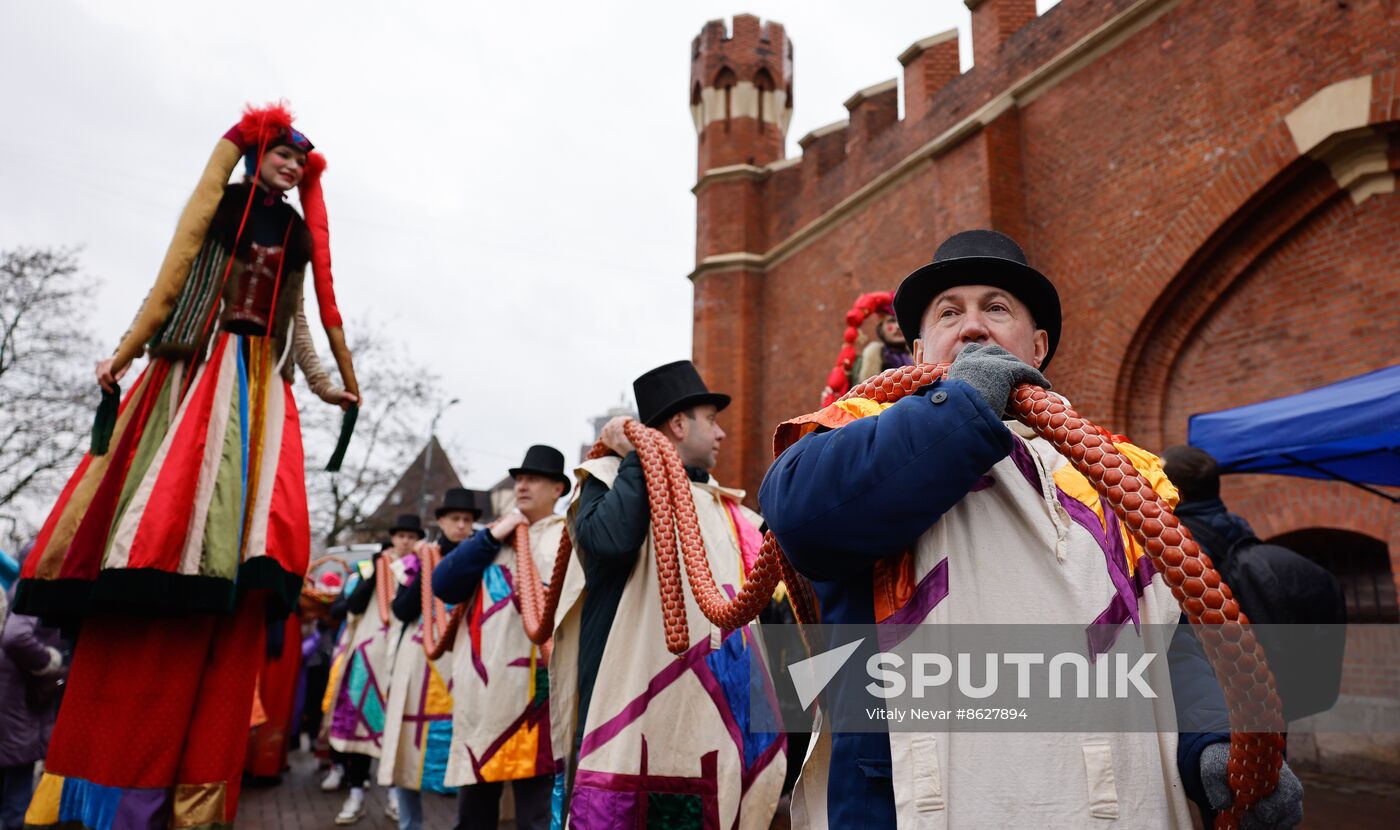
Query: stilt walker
(187,523)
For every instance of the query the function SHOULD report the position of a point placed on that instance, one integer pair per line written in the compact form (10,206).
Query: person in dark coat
(1275,586)
(32,668)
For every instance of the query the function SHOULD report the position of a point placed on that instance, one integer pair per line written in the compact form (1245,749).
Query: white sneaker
(354,808)
(304,742)
(391,805)
(333,779)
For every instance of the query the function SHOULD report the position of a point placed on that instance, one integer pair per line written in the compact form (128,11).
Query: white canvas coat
(418,719)
(1010,553)
(501,726)
(659,725)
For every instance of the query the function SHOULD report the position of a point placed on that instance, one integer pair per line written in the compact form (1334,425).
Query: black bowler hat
(979,258)
(458,498)
(411,523)
(544,461)
(672,388)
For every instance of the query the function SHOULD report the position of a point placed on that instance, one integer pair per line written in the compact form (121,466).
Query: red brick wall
(1159,175)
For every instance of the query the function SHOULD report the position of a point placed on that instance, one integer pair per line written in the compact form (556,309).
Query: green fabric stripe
(222,528)
(157,425)
(192,307)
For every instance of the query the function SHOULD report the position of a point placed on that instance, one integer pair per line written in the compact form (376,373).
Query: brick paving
(298,804)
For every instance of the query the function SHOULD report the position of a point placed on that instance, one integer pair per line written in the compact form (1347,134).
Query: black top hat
(979,258)
(458,498)
(411,523)
(544,461)
(672,388)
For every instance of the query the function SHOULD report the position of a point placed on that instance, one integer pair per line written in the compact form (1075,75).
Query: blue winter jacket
(841,500)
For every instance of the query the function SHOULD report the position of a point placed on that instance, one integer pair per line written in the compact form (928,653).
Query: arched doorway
(1360,563)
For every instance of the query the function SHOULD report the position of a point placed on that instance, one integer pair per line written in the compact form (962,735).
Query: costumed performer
(187,524)
(500,682)
(654,733)
(940,509)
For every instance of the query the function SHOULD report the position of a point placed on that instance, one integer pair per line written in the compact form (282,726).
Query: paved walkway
(298,804)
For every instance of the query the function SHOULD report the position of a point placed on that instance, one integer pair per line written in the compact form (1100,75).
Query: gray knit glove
(993,372)
(1282,809)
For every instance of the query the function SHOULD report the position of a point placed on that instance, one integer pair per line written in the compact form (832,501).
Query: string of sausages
(439,625)
(1229,643)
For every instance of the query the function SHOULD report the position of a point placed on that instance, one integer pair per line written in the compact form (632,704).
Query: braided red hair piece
(838,382)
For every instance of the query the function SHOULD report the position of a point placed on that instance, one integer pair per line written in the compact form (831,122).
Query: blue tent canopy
(1346,431)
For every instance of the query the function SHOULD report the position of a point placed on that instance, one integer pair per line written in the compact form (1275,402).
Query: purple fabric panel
(982,484)
(1022,458)
(638,706)
(593,808)
(930,591)
(142,809)
(1110,542)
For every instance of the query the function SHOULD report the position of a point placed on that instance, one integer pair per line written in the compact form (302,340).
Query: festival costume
(192,504)
(500,680)
(278,685)
(500,725)
(1030,544)
(419,709)
(664,740)
(932,509)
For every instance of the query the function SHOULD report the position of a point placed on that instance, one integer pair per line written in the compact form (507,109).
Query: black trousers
(479,805)
(356,769)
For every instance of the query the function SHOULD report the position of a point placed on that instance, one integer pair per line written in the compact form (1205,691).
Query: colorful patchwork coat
(418,716)
(360,682)
(666,743)
(501,686)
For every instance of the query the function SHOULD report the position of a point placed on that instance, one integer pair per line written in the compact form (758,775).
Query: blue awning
(1346,431)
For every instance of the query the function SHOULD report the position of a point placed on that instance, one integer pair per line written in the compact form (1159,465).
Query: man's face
(535,493)
(697,435)
(404,540)
(456,525)
(978,314)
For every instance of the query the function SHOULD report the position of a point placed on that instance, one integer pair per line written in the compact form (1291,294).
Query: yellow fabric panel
(439,700)
(199,804)
(516,759)
(189,237)
(862,407)
(1076,486)
(333,684)
(43,807)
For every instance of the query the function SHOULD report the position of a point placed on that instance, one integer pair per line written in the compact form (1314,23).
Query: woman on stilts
(186,526)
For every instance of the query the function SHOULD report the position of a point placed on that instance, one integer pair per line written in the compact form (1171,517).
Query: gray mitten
(1282,809)
(993,372)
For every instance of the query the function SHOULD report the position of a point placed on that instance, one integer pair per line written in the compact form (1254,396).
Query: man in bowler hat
(610,649)
(990,525)
(500,690)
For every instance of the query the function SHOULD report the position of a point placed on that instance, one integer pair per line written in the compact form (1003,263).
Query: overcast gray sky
(508,183)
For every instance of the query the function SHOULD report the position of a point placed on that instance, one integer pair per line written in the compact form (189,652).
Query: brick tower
(741,100)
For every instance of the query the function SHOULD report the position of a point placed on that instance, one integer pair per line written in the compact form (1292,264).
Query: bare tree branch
(401,396)
(47,394)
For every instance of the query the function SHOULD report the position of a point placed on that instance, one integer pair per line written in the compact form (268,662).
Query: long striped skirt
(192,524)
(202,493)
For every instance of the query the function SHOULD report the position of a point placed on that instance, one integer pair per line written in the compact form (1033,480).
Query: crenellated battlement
(741,91)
